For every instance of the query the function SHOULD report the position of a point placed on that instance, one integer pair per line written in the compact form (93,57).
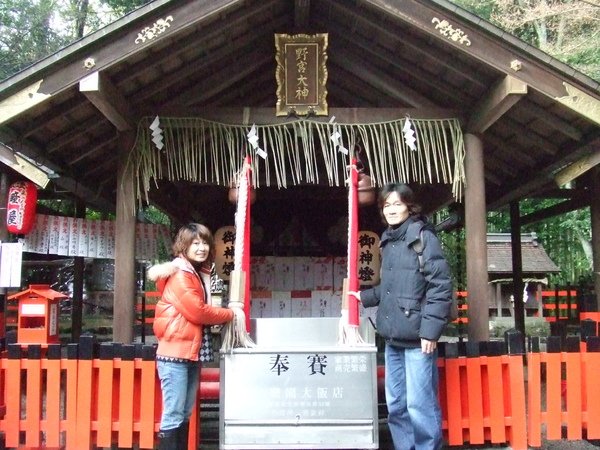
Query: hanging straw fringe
(204,151)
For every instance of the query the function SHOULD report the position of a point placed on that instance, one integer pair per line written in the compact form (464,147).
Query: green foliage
(26,34)
(568,30)
(122,7)
(564,238)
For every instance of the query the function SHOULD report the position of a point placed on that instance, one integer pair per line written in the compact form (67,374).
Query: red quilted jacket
(182,309)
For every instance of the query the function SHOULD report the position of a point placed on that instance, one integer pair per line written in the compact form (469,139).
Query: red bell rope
(353,316)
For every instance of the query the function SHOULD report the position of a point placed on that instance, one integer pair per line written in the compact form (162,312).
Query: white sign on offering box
(11,257)
(110,247)
(54,235)
(282,304)
(321,303)
(261,305)
(63,237)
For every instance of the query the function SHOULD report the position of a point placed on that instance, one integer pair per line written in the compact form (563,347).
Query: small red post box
(37,321)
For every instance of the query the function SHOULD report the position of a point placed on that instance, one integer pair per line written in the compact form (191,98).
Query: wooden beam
(545,176)
(74,132)
(32,151)
(508,91)
(338,11)
(202,62)
(379,55)
(301,13)
(550,119)
(266,115)
(382,81)
(555,210)
(507,152)
(578,168)
(239,68)
(105,96)
(486,46)
(68,72)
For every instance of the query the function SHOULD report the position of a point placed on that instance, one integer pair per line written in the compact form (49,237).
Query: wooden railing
(89,395)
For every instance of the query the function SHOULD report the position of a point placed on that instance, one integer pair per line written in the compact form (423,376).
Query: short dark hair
(406,194)
(187,234)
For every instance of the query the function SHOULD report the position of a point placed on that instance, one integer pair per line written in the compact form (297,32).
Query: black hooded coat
(412,304)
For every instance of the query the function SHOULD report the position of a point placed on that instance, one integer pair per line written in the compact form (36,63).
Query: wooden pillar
(595,216)
(124,297)
(476,240)
(517,265)
(499,299)
(78,272)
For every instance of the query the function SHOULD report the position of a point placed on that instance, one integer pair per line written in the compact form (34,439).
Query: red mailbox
(37,321)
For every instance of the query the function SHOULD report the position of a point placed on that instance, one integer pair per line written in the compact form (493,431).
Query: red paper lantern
(20,210)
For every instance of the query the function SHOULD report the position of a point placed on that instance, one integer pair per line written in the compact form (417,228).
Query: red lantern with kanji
(20,210)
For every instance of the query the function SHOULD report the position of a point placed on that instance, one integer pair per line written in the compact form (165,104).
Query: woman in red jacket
(180,314)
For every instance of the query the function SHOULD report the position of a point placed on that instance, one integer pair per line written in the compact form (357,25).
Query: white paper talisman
(63,237)
(301,304)
(110,239)
(340,271)
(42,226)
(54,235)
(304,276)
(84,233)
(284,273)
(93,239)
(321,303)
(282,304)
(261,304)
(323,273)
(102,239)
(73,236)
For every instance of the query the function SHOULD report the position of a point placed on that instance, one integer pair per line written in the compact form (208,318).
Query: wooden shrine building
(496,121)
(536,266)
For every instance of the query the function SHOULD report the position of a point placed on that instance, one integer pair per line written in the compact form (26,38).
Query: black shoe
(167,439)
(182,436)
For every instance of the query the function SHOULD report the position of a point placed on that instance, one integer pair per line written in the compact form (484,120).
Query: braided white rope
(234,332)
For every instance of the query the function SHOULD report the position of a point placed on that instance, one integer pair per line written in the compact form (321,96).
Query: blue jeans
(178,384)
(411,394)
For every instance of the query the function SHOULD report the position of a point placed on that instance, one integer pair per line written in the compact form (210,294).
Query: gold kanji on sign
(301,74)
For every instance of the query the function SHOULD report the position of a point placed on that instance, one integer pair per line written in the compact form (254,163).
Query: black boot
(182,435)
(167,439)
